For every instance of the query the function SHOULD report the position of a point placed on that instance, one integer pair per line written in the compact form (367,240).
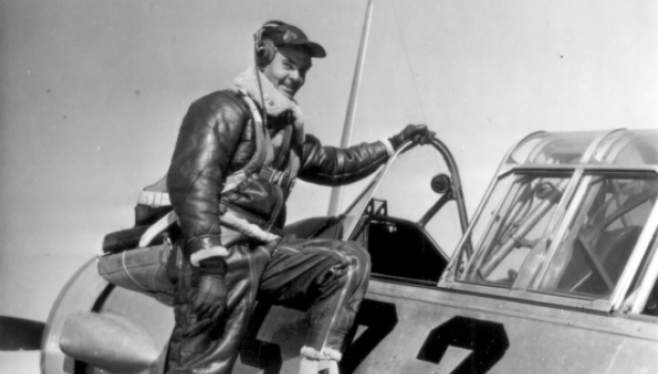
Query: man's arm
(333,166)
(337,166)
(206,142)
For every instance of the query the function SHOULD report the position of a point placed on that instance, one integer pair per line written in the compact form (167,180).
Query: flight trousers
(327,278)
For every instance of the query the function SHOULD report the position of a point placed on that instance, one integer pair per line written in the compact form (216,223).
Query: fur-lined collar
(275,102)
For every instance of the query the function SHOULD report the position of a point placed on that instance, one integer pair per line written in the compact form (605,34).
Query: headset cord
(262,98)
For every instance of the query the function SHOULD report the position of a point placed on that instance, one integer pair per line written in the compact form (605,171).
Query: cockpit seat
(400,249)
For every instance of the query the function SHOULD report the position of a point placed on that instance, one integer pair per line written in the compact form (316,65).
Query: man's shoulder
(224,105)
(221,98)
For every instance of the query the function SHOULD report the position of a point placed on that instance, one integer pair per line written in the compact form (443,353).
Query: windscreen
(602,235)
(520,221)
(521,241)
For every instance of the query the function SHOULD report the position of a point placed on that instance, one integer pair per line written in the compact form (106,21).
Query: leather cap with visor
(281,33)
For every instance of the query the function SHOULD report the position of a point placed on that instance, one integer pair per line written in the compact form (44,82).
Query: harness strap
(285,148)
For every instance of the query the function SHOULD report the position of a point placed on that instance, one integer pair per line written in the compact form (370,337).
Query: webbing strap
(158,198)
(158,227)
(236,222)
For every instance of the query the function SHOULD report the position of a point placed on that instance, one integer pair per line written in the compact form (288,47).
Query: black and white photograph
(328,187)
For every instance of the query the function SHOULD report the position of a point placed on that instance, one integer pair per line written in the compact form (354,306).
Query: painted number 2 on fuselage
(488,341)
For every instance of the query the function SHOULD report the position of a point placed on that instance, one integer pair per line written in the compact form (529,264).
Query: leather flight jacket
(219,137)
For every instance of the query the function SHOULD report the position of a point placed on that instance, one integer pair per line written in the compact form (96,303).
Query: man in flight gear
(236,157)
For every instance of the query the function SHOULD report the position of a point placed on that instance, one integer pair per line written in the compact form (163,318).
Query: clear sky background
(92,93)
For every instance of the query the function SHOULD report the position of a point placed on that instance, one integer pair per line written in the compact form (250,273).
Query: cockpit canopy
(569,219)
(572,149)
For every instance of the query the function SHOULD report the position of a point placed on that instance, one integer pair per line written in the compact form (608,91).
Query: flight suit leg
(329,278)
(211,347)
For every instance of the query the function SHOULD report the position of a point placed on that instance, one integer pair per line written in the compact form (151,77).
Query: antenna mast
(337,192)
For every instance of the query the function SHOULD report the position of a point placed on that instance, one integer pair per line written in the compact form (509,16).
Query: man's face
(287,71)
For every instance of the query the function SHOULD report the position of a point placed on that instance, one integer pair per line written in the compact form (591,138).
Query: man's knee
(346,255)
(357,252)
(355,257)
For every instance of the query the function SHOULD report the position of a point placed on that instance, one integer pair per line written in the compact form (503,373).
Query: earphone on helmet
(265,48)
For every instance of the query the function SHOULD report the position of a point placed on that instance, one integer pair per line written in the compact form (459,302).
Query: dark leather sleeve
(206,142)
(336,166)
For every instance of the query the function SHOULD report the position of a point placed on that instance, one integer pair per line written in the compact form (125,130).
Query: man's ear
(265,52)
